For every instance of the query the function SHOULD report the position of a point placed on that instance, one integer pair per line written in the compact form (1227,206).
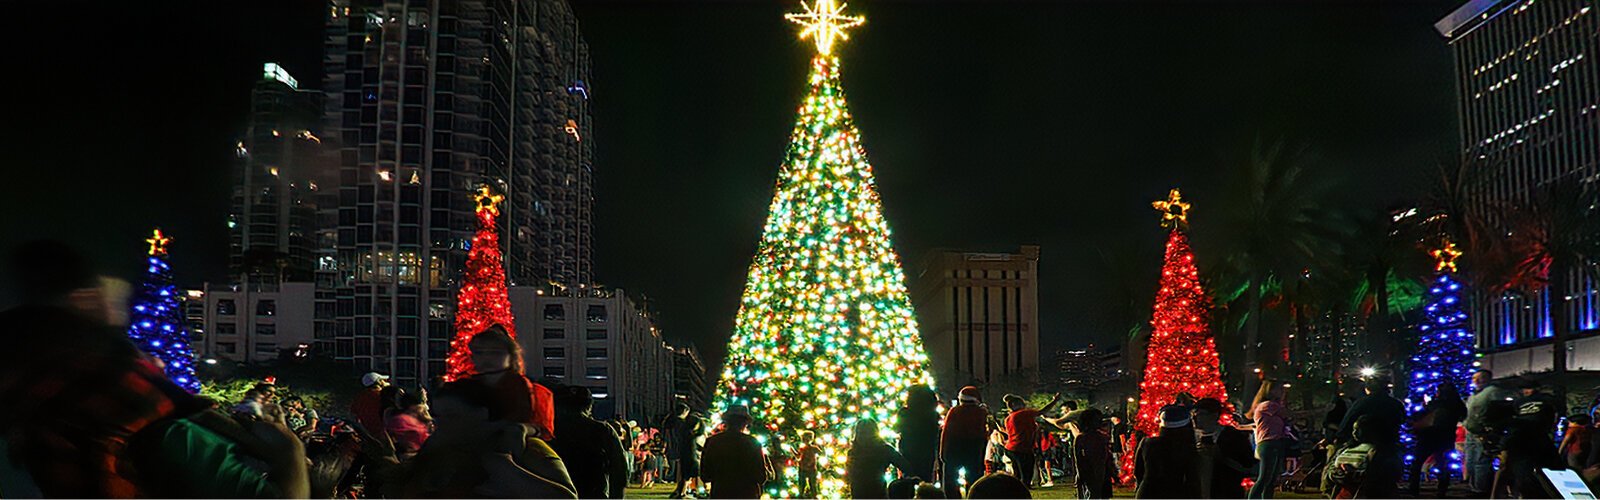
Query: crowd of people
(87,415)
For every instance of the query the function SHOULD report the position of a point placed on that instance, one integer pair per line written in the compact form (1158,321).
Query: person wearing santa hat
(962,441)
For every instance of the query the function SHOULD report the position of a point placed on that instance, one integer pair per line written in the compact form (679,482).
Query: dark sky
(989,125)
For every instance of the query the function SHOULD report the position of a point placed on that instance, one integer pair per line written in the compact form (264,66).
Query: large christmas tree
(1445,345)
(482,300)
(1182,355)
(156,323)
(824,334)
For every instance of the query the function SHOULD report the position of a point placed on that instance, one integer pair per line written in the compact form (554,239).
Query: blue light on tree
(157,325)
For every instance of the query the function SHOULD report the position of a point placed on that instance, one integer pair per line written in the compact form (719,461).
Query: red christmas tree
(1182,354)
(482,301)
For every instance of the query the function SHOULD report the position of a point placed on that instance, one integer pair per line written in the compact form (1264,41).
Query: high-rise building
(598,339)
(689,378)
(426,101)
(281,168)
(979,315)
(1529,90)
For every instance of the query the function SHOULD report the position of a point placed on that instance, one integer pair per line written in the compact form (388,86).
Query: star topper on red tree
(482,300)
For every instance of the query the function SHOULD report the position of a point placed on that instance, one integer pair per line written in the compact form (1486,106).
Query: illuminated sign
(276,72)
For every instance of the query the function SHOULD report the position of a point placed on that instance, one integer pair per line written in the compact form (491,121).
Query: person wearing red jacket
(962,441)
(497,363)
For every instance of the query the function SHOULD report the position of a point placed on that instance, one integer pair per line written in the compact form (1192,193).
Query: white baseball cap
(372,378)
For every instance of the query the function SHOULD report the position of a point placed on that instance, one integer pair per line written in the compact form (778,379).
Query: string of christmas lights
(482,300)
(156,322)
(1182,355)
(825,333)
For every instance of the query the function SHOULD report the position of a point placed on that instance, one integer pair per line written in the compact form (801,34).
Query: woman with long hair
(1272,437)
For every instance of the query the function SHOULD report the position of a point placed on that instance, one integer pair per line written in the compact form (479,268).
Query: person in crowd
(962,441)
(869,456)
(1529,444)
(589,448)
(1273,438)
(368,404)
(1335,415)
(1346,471)
(72,387)
(1384,415)
(994,454)
(1435,433)
(1044,459)
(683,431)
(474,455)
(904,487)
(1120,431)
(1164,464)
(999,485)
(1022,434)
(807,464)
(409,425)
(647,463)
(1577,442)
(211,454)
(918,426)
(1092,456)
(302,419)
(733,461)
(251,403)
(1224,457)
(1483,429)
(497,364)
(929,491)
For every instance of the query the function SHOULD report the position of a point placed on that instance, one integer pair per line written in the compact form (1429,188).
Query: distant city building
(1529,90)
(281,168)
(979,315)
(257,324)
(1084,370)
(426,101)
(598,339)
(689,378)
(1334,344)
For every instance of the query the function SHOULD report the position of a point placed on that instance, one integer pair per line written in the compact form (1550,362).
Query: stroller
(1308,469)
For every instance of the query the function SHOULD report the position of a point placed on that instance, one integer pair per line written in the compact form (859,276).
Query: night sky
(989,125)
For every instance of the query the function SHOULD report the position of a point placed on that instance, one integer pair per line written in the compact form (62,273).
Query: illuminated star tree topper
(825,334)
(824,21)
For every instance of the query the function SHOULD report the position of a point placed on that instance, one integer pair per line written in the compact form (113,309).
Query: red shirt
(1022,429)
(368,410)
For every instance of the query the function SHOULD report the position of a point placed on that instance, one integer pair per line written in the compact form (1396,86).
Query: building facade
(253,324)
(281,169)
(1529,91)
(979,315)
(689,378)
(598,339)
(426,101)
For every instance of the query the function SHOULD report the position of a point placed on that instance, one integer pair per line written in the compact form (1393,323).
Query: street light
(211,361)
(1369,371)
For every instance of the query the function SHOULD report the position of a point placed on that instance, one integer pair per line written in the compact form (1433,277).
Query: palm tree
(1555,239)
(1275,222)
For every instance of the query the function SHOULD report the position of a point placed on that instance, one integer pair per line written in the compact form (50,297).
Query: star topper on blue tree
(157,325)
(1445,345)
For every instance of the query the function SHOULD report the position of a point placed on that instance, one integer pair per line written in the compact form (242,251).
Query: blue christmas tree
(1445,345)
(156,323)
